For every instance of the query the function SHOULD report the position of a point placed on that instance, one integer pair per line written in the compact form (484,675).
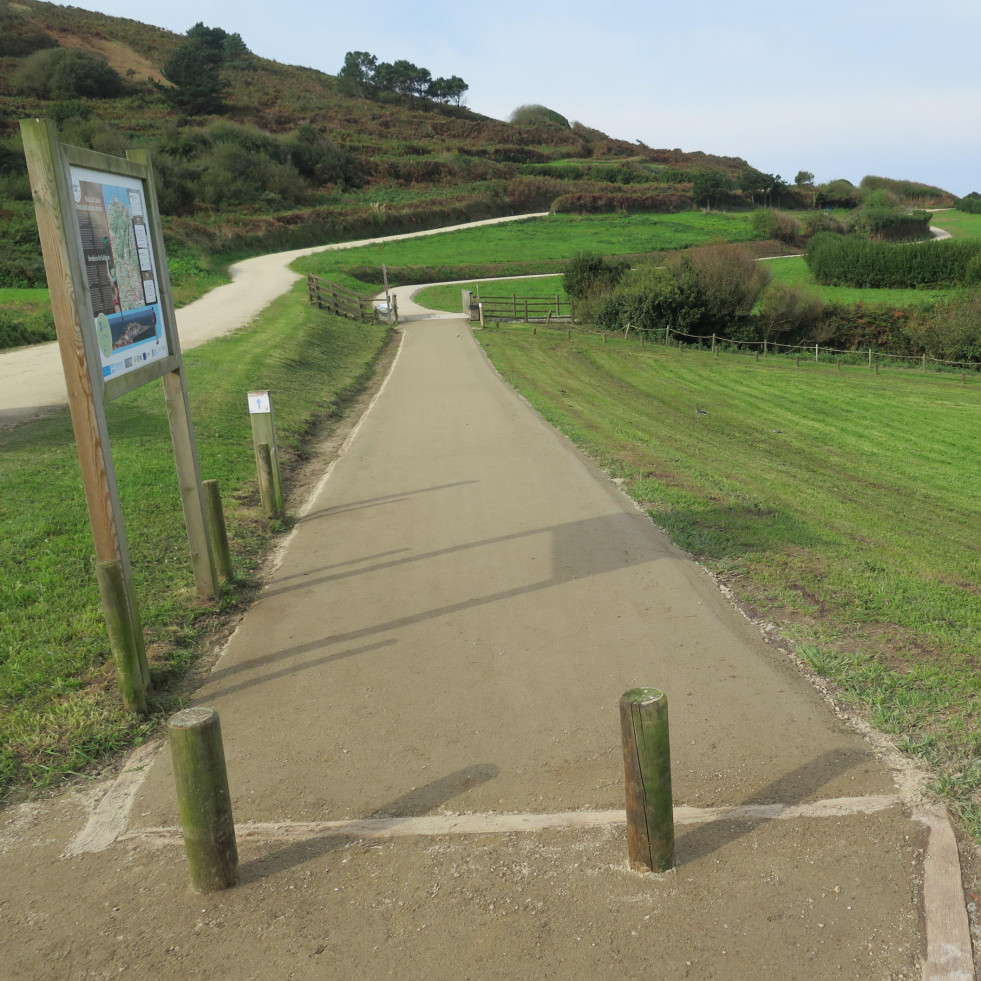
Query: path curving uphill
(31,380)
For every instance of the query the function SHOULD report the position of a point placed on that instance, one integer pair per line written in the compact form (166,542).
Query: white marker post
(266,453)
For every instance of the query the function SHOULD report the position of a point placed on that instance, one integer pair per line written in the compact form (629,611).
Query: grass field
(794,271)
(555,237)
(449,297)
(59,711)
(839,504)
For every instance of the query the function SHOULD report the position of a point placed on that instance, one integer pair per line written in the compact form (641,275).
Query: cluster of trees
(712,188)
(195,69)
(363,74)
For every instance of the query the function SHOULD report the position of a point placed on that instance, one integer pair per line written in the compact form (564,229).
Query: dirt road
(420,722)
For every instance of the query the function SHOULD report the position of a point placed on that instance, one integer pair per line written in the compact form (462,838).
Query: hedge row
(838,260)
(606,201)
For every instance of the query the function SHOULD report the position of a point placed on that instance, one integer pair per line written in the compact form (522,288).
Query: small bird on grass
(699,411)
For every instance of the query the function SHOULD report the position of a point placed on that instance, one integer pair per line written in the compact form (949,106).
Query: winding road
(31,380)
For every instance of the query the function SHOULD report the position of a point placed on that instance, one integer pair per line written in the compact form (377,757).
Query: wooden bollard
(647,773)
(219,533)
(203,799)
(123,642)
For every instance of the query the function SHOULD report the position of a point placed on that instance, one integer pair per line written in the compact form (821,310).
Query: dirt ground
(446,635)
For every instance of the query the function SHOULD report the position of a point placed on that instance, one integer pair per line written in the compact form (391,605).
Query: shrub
(971,203)
(726,278)
(60,73)
(789,313)
(952,330)
(536,115)
(61,112)
(588,273)
(769,223)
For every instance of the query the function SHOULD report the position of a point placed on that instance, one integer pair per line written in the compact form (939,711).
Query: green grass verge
(960,224)
(59,710)
(840,504)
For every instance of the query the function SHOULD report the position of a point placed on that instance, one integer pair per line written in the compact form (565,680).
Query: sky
(844,88)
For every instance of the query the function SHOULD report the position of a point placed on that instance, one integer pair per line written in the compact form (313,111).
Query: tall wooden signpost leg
(182,434)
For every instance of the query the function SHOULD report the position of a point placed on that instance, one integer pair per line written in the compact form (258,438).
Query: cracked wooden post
(203,799)
(647,771)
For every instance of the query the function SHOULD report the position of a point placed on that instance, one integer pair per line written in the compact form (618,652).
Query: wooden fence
(528,309)
(329,296)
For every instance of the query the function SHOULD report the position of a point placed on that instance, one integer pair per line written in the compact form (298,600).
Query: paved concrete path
(421,729)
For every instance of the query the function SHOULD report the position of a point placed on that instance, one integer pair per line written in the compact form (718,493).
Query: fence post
(203,798)
(923,368)
(647,779)
(870,357)
(219,533)
(514,301)
(815,352)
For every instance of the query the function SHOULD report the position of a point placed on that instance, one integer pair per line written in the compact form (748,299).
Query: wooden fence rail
(527,308)
(328,296)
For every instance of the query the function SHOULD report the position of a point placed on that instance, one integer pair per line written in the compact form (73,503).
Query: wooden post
(395,310)
(647,773)
(923,364)
(219,533)
(713,343)
(514,301)
(765,350)
(123,640)
(526,309)
(798,361)
(267,483)
(203,799)
(480,307)
(267,462)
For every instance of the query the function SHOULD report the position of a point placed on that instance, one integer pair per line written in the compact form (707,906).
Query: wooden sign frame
(68,261)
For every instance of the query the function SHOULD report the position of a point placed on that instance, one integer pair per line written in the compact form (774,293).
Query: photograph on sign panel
(119,270)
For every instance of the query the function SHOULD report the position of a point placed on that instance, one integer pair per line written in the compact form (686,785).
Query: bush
(789,313)
(971,203)
(727,280)
(769,223)
(536,115)
(588,273)
(60,73)
(952,330)
(881,221)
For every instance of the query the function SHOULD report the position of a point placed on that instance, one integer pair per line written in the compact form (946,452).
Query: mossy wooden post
(122,635)
(203,798)
(647,772)
(267,461)
(219,533)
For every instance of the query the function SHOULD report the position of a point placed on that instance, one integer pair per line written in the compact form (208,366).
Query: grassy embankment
(59,711)
(840,504)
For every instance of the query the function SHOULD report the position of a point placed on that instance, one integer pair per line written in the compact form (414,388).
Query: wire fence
(810,350)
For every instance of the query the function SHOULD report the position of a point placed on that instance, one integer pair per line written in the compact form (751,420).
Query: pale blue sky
(842,89)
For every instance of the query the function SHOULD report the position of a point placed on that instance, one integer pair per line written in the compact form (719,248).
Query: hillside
(292,159)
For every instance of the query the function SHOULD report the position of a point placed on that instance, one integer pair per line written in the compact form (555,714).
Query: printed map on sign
(120,270)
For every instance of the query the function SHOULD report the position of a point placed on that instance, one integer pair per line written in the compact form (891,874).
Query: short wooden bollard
(203,798)
(647,772)
(219,533)
(123,642)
